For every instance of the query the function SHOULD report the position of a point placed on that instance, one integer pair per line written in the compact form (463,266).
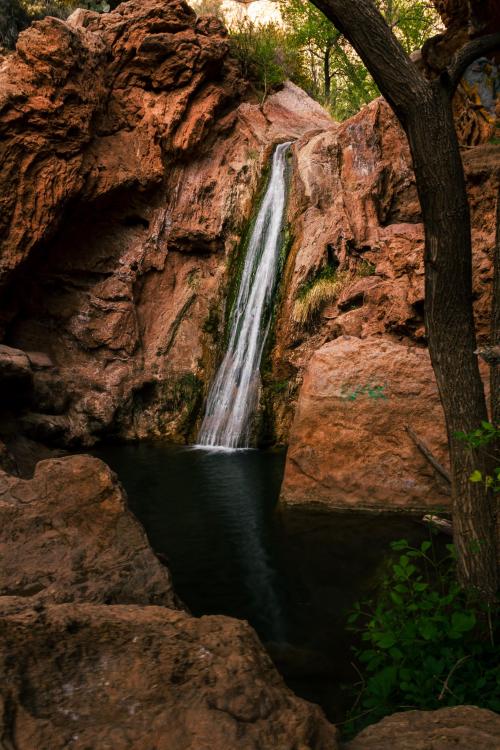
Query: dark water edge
(211,517)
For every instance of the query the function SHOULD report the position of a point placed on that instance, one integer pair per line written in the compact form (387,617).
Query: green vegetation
(266,57)
(336,76)
(326,286)
(308,50)
(423,643)
(487,435)
(373,391)
(365,268)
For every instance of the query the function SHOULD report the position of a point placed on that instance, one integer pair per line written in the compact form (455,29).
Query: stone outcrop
(462,727)
(67,536)
(81,676)
(131,156)
(355,213)
(349,447)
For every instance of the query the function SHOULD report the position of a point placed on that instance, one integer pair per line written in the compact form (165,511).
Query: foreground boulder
(67,536)
(132,678)
(462,727)
(349,446)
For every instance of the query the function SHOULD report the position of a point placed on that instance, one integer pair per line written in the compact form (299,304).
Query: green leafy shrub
(423,644)
(266,57)
(13,19)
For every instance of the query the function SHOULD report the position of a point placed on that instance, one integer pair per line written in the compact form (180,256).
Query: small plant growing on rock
(365,268)
(325,287)
(374,392)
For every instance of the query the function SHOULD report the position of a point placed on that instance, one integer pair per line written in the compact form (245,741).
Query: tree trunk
(495,324)
(450,327)
(326,73)
(424,109)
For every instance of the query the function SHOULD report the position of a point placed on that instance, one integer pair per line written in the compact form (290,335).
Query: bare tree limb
(454,668)
(466,56)
(424,450)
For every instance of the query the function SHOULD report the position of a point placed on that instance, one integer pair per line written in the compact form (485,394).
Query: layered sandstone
(131,157)
(355,212)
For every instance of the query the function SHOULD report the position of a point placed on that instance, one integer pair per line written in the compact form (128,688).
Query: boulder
(348,445)
(67,536)
(14,365)
(84,676)
(461,727)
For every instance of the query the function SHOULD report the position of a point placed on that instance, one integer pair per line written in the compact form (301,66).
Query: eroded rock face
(67,536)
(462,727)
(81,676)
(349,447)
(131,158)
(354,208)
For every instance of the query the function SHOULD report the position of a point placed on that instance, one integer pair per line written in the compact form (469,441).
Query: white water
(233,396)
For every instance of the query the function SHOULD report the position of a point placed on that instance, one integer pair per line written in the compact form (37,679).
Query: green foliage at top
(423,643)
(336,75)
(266,57)
(13,19)
(486,435)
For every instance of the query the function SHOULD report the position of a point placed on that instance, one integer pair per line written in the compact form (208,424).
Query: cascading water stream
(233,396)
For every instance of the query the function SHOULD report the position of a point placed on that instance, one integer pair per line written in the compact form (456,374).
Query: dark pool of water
(209,513)
(293,576)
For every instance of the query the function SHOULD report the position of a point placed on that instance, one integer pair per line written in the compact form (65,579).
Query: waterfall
(233,396)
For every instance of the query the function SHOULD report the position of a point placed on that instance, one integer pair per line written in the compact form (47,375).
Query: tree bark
(451,330)
(424,110)
(327,74)
(495,324)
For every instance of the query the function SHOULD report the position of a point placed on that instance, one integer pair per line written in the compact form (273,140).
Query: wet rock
(462,727)
(85,676)
(348,444)
(67,536)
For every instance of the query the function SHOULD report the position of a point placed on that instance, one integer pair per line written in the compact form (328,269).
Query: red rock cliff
(130,161)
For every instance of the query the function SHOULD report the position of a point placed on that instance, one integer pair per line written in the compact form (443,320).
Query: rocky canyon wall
(132,154)
(358,360)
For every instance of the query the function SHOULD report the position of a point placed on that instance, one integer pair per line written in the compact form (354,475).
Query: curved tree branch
(397,77)
(466,56)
